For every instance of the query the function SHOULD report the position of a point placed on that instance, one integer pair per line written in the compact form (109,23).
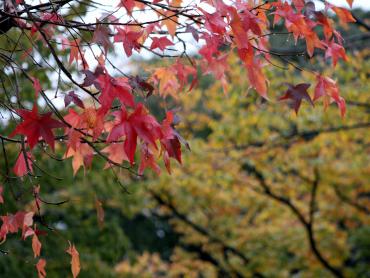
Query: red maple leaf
(20,167)
(160,43)
(258,79)
(171,140)
(112,88)
(73,97)
(116,153)
(193,31)
(101,36)
(36,85)
(326,24)
(328,89)
(147,160)
(137,124)
(214,22)
(129,5)
(297,93)
(129,40)
(36,125)
(335,51)
(12,222)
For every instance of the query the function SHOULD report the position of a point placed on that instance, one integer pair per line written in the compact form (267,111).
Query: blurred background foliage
(216,215)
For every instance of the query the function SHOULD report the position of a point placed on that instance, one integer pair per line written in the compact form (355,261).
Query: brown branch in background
(207,257)
(348,201)
(307,224)
(360,22)
(199,228)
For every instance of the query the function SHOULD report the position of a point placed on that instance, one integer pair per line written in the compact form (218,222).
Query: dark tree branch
(207,257)
(198,228)
(307,224)
(350,202)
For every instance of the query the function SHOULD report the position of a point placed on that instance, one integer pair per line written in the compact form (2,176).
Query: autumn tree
(67,85)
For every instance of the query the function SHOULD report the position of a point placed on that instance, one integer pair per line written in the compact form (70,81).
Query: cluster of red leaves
(132,124)
(246,34)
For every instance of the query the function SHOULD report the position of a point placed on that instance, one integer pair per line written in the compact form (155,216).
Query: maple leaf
(147,160)
(160,43)
(168,83)
(183,72)
(82,156)
(240,34)
(13,222)
(217,67)
(211,49)
(214,22)
(40,266)
(344,15)
(73,97)
(328,89)
(138,124)
(91,77)
(129,39)
(36,85)
(35,126)
(170,141)
(111,89)
(335,51)
(136,82)
(20,167)
(169,20)
(193,31)
(326,23)
(90,120)
(171,148)
(75,259)
(36,245)
(294,22)
(129,5)
(297,93)
(76,53)
(312,41)
(116,153)
(1,194)
(251,22)
(101,36)
(256,78)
